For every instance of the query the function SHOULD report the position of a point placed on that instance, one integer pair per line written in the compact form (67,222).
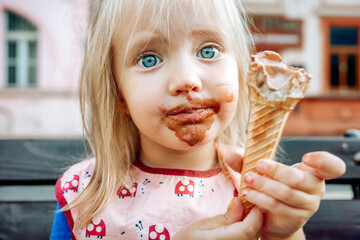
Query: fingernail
(261,166)
(244,192)
(249,178)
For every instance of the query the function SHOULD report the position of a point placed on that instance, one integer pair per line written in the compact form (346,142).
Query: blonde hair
(114,139)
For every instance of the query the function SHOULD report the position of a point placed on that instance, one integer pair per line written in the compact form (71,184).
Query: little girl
(163,83)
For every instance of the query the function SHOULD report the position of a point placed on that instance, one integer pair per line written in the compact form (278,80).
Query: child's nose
(185,87)
(184,79)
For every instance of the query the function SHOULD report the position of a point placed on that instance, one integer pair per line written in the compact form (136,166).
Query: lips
(184,110)
(194,117)
(191,112)
(194,111)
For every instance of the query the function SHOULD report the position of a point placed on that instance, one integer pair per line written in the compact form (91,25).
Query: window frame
(327,23)
(22,60)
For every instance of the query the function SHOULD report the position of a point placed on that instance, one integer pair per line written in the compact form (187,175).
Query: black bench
(28,172)
(30,168)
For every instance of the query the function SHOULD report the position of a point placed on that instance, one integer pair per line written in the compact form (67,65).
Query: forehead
(173,19)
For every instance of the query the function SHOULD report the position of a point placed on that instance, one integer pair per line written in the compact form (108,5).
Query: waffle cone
(266,123)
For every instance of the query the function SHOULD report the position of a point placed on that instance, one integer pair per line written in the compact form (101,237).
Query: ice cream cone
(266,123)
(274,91)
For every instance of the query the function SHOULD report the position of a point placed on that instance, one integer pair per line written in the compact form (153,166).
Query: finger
(327,166)
(301,166)
(290,176)
(278,208)
(280,191)
(232,156)
(249,228)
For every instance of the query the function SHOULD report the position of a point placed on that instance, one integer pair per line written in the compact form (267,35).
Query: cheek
(139,94)
(227,94)
(141,104)
(144,107)
(227,83)
(229,101)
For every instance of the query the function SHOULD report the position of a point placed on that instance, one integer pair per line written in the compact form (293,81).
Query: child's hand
(289,196)
(225,226)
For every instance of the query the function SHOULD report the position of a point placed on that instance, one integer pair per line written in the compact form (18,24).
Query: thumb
(326,165)
(323,165)
(225,226)
(233,214)
(247,229)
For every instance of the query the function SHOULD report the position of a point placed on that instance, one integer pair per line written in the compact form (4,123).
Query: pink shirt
(160,202)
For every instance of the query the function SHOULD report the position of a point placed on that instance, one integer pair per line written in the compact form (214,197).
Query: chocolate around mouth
(193,106)
(190,121)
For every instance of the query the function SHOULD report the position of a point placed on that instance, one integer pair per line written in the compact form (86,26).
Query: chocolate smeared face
(179,84)
(191,120)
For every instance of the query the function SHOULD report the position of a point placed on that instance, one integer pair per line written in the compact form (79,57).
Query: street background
(41,50)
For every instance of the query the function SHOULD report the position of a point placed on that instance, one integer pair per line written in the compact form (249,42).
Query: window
(21,52)
(342,55)
(344,49)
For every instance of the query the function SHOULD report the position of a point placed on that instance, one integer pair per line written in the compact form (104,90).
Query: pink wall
(61,27)
(52,109)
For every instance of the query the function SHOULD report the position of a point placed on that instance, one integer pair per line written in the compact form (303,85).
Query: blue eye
(149,61)
(208,52)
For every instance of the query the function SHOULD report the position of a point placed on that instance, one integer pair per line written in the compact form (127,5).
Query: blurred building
(41,49)
(322,36)
(41,44)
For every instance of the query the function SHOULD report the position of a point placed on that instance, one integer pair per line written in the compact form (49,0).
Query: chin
(180,145)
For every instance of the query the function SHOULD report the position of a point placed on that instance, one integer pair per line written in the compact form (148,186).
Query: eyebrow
(145,38)
(210,33)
